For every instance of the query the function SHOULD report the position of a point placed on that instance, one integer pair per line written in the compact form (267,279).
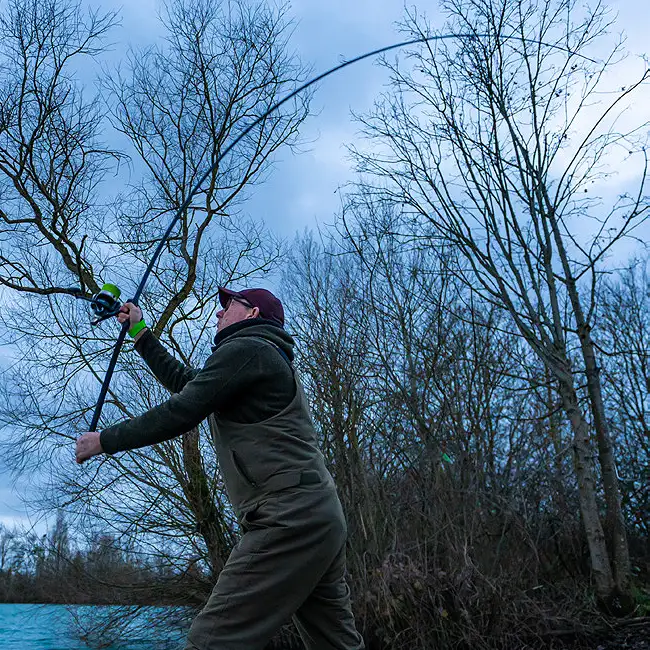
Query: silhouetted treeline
(53,568)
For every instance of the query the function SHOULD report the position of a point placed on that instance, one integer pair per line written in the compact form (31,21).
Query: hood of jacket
(258,328)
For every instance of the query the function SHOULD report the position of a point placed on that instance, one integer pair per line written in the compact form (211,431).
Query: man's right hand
(129,312)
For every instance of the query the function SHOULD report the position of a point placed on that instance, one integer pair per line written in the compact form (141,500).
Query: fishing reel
(104,304)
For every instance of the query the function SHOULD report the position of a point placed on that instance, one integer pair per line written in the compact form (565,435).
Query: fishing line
(186,204)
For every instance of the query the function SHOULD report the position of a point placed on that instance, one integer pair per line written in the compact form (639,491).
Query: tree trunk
(197,492)
(584,465)
(614,522)
(562,509)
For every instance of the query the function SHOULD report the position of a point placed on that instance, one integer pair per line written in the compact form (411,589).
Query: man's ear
(255,312)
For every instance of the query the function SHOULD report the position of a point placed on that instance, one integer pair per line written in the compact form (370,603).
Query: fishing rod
(106,302)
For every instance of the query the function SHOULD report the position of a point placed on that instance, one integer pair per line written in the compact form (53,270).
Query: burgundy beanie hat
(270,307)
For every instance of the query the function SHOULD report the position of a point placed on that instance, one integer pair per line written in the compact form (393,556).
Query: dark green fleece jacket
(245,381)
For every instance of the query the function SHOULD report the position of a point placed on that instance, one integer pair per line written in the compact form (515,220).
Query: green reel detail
(112,289)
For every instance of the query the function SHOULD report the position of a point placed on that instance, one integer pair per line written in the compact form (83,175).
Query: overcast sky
(301,190)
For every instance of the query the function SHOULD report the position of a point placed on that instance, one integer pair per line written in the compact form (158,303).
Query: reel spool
(104,304)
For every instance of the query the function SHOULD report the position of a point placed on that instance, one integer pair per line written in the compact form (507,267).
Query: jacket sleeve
(170,372)
(227,372)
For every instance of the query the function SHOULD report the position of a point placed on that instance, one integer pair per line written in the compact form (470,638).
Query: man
(290,560)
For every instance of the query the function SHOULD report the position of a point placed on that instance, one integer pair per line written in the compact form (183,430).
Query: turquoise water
(55,627)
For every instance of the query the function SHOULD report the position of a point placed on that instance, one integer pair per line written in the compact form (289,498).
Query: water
(52,627)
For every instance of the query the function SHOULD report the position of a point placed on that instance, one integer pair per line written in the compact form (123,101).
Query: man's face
(236,309)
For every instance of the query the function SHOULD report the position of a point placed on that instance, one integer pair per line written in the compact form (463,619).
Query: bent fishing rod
(106,303)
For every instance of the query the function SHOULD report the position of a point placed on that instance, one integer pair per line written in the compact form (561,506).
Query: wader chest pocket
(242,470)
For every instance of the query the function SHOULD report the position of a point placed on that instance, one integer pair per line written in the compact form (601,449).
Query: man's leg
(269,574)
(325,620)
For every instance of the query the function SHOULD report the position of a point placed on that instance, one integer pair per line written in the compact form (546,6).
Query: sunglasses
(241,301)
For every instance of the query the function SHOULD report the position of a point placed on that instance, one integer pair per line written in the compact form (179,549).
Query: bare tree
(51,155)
(624,335)
(7,538)
(489,146)
(179,104)
(434,434)
(330,320)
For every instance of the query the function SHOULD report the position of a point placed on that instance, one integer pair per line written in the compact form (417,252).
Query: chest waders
(290,561)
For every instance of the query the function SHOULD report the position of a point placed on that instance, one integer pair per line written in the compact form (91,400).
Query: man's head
(248,303)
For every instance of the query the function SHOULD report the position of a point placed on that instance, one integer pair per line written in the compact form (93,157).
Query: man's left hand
(88,445)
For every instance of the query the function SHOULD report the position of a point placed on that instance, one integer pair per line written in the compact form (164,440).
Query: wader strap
(285,480)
